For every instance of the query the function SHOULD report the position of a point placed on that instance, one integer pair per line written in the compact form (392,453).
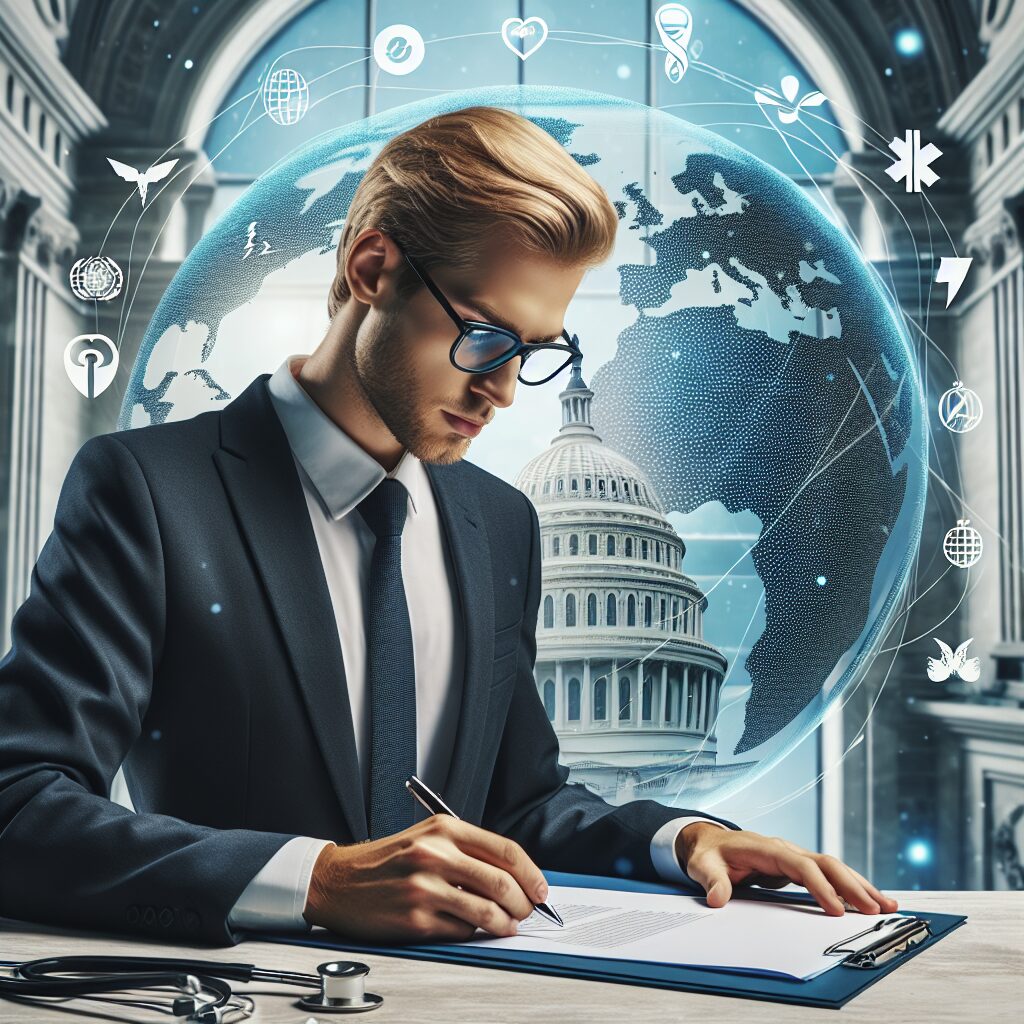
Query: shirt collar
(339,469)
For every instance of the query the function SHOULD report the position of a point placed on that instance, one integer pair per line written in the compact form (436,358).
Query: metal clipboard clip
(909,932)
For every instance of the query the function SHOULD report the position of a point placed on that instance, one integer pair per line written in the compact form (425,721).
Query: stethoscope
(205,994)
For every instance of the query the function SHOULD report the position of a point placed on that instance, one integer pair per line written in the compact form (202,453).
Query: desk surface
(975,973)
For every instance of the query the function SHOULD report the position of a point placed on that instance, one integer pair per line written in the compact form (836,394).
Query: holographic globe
(744,359)
(286,96)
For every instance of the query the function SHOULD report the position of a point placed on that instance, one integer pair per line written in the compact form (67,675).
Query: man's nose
(498,386)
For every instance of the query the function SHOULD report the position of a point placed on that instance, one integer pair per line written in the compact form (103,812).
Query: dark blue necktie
(389,664)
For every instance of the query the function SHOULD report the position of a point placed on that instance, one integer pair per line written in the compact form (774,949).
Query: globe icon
(962,545)
(286,96)
(741,353)
(96,277)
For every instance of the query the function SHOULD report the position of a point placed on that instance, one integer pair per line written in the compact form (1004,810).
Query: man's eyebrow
(492,316)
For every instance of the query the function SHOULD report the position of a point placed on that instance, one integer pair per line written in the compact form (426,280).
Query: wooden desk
(976,973)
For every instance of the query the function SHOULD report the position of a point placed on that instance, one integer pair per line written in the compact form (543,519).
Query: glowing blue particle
(155,734)
(623,866)
(189,65)
(675,354)
(909,42)
(156,23)
(705,255)
(822,581)
(919,852)
(830,376)
(513,581)
(623,71)
(215,608)
(888,72)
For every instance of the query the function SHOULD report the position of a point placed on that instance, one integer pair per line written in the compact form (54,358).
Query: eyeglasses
(482,347)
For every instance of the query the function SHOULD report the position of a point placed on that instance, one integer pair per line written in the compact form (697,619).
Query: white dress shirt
(336,474)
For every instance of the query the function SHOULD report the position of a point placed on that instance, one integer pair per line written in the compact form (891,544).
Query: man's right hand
(440,879)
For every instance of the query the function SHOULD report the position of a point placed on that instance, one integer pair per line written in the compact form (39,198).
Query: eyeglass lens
(484,350)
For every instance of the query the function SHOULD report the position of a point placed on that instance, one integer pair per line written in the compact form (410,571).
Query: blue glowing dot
(623,71)
(909,42)
(156,23)
(170,56)
(675,355)
(888,72)
(822,581)
(919,852)
(705,255)
(513,581)
(189,65)
(215,608)
(623,866)
(156,734)
(830,376)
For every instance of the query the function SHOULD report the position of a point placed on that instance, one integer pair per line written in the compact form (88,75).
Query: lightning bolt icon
(952,271)
(250,242)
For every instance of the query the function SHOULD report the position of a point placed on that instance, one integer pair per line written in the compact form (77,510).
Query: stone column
(662,693)
(559,719)
(586,698)
(613,695)
(684,699)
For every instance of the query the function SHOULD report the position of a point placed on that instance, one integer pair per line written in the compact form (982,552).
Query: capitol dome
(625,676)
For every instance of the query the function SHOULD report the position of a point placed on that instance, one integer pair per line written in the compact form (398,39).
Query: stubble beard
(391,386)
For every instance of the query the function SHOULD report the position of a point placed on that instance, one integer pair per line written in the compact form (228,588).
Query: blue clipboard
(831,990)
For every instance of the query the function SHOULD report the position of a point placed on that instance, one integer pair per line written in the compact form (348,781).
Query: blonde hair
(444,188)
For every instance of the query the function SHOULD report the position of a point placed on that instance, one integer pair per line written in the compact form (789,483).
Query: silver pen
(433,803)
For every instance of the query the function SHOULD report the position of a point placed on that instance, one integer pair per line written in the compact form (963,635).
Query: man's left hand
(718,858)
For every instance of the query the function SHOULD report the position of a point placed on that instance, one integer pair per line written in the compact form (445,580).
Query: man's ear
(372,268)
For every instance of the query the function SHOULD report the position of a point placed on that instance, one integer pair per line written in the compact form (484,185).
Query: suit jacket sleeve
(562,825)
(74,689)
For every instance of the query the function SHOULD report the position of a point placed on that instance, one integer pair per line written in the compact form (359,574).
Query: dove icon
(674,24)
(954,663)
(143,179)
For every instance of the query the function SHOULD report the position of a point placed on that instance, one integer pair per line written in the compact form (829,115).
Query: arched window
(570,609)
(669,694)
(629,547)
(675,614)
(556,545)
(560,486)
(549,698)
(643,548)
(631,610)
(609,615)
(615,487)
(600,486)
(625,487)
(10,93)
(600,700)
(588,485)
(592,544)
(591,609)
(610,545)
(547,486)
(657,550)
(647,610)
(42,131)
(625,699)
(574,700)
(662,620)
(645,699)
(549,612)
(574,544)
(575,485)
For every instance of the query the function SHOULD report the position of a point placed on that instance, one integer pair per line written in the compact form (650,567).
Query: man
(274,613)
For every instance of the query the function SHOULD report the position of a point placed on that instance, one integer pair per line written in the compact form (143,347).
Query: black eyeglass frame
(520,348)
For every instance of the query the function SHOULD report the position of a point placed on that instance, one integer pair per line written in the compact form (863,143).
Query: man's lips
(468,428)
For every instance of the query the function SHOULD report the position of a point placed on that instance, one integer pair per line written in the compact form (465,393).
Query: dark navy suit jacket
(179,621)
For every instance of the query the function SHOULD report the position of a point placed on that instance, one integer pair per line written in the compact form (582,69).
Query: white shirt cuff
(276,897)
(663,848)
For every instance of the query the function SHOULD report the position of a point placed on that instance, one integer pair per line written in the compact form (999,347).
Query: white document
(745,935)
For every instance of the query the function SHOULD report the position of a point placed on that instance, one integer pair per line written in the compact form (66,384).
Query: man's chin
(442,452)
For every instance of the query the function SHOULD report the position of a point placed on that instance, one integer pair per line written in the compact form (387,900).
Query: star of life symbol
(913,163)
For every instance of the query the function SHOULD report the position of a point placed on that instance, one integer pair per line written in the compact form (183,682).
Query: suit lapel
(464,528)
(255,462)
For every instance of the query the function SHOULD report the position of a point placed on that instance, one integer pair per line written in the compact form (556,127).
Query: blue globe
(758,372)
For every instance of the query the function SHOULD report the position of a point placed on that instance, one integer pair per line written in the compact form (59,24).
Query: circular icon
(962,545)
(960,409)
(398,49)
(96,277)
(286,96)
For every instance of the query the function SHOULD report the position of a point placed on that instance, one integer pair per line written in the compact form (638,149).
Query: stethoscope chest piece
(342,989)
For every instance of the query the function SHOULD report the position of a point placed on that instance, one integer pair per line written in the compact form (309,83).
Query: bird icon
(954,663)
(143,179)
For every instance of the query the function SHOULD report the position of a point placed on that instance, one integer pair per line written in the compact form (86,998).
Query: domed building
(627,680)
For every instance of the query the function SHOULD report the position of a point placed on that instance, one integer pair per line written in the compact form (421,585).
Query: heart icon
(524,37)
